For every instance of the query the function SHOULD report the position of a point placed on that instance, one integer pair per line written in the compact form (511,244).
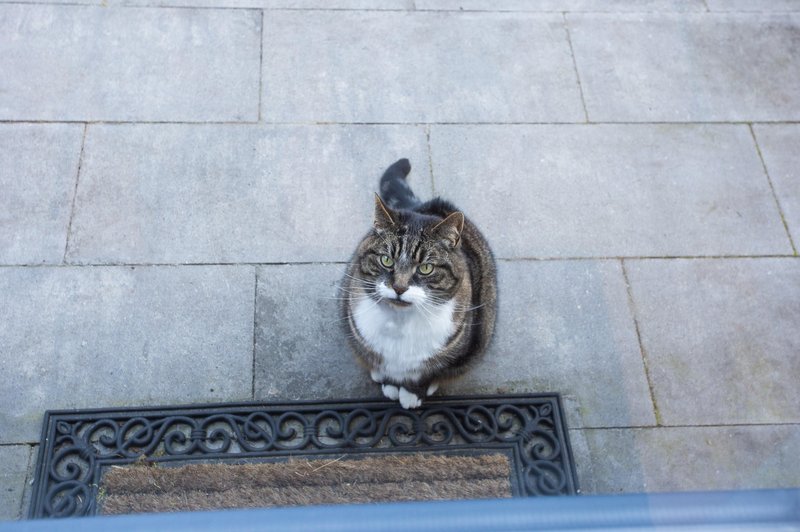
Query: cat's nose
(399,289)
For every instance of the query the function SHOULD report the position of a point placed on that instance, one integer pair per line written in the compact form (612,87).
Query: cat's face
(411,260)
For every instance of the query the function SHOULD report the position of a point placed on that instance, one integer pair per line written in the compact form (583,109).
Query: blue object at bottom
(734,510)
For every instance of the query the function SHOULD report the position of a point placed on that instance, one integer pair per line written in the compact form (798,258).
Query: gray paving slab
(687,458)
(753,5)
(565,326)
(610,190)
(27,492)
(73,63)
(279,4)
(121,336)
(418,67)
(778,144)
(38,168)
(14,462)
(721,338)
(568,5)
(230,193)
(684,67)
(65,2)
(301,347)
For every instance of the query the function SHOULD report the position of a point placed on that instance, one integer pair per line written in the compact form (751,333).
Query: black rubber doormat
(78,446)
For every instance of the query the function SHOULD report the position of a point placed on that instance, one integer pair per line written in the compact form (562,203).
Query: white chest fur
(404,337)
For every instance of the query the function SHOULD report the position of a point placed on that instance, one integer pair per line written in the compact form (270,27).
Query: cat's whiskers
(457,307)
(361,280)
(353,298)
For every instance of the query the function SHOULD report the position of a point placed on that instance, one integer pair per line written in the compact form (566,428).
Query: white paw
(376,376)
(409,400)
(432,389)
(391,392)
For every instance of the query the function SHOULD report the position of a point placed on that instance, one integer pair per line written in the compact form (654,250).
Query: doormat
(79,448)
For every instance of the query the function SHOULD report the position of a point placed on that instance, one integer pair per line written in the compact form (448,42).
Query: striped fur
(411,327)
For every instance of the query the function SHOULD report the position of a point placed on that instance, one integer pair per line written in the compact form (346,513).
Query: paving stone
(610,190)
(689,459)
(721,338)
(121,336)
(569,5)
(753,5)
(301,348)
(96,63)
(230,193)
(279,4)
(417,67)
(565,326)
(67,2)
(683,68)
(27,492)
(38,167)
(14,461)
(778,145)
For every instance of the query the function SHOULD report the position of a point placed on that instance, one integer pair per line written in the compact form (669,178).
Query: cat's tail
(394,189)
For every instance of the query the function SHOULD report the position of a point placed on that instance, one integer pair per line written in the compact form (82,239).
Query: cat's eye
(425,269)
(387,261)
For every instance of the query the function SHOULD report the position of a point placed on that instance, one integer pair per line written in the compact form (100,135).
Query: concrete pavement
(181,182)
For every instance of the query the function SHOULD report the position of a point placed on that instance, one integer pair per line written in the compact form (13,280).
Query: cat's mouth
(397,302)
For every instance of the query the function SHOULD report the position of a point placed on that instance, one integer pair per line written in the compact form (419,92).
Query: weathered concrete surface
(76,63)
(230,193)
(687,458)
(121,336)
(778,143)
(199,209)
(301,347)
(14,462)
(38,168)
(683,68)
(753,5)
(570,331)
(721,338)
(610,190)
(417,67)
(566,326)
(566,5)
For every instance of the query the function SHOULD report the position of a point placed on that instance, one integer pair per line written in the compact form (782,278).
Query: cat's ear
(383,215)
(450,228)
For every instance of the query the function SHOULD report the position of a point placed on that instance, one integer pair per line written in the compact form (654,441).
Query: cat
(419,296)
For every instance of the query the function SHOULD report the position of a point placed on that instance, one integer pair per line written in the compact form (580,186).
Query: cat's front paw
(390,391)
(409,400)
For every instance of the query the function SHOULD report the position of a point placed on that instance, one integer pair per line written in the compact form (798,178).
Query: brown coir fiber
(148,488)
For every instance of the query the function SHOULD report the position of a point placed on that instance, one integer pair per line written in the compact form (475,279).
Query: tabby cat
(420,293)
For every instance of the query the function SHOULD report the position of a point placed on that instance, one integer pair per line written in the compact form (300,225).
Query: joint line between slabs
(255,308)
(772,189)
(642,350)
(74,194)
(688,426)
(430,158)
(261,67)
(409,123)
(255,314)
(30,476)
(154,5)
(336,262)
(575,66)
